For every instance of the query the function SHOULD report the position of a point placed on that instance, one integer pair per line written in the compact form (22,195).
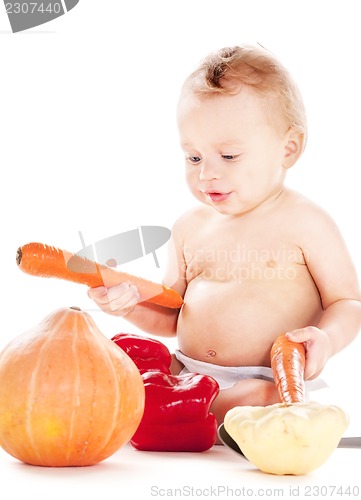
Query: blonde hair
(229,68)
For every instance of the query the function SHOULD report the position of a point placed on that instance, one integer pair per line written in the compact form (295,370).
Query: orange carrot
(288,364)
(46,261)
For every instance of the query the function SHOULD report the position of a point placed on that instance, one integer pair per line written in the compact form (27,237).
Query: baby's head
(229,69)
(242,124)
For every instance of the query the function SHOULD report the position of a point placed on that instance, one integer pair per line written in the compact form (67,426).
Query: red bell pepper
(196,436)
(176,415)
(146,353)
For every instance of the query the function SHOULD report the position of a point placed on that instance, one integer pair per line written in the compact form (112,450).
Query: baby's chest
(228,258)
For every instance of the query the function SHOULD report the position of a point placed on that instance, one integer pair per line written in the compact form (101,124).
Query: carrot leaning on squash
(288,364)
(47,261)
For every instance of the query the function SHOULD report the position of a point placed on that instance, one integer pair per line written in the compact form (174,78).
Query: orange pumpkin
(69,396)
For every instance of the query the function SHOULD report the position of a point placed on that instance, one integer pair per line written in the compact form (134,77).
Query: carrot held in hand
(288,364)
(47,261)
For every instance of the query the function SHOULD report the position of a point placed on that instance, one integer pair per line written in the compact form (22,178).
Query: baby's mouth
(217,197)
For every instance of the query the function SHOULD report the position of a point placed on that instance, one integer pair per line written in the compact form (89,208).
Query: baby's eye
(193,159)
(230,157)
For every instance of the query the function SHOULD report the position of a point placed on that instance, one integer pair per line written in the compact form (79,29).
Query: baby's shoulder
(301,211)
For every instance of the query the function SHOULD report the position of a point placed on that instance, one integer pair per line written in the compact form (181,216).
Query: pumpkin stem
(19,255)
(75,308)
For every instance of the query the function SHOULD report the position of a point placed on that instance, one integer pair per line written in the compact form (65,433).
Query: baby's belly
(233,324)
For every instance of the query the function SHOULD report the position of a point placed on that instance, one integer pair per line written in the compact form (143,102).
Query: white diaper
(228,376)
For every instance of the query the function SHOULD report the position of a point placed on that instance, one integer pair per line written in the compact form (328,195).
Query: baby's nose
(209,170)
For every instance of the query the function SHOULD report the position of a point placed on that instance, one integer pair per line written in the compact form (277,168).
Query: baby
(254,259)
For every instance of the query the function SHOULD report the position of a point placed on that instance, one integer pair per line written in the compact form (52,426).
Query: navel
(211,353)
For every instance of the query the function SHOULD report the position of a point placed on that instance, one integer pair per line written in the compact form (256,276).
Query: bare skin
(254,259)
(257,289)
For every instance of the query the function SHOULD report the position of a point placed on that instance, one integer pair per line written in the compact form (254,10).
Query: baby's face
(234,149)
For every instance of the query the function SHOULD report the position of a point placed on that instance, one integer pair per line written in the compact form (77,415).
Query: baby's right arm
(123,300)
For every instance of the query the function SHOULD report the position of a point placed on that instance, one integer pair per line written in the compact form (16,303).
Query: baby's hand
(118,300)
(318,348)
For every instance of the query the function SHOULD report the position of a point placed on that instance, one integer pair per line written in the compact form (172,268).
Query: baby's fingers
(98,294)
(317,346)
(312,368)
(124,296)
(119,299)
(302,334)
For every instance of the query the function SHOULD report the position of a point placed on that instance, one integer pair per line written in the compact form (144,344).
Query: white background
(88,140)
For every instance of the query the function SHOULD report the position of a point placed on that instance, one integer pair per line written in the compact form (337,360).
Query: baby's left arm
(333,272)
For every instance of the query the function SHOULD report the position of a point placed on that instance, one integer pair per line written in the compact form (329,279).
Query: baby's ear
(294,146)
